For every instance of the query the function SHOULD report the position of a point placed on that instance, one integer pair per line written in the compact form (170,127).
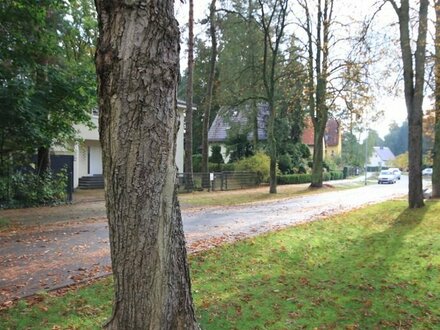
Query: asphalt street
(53,256)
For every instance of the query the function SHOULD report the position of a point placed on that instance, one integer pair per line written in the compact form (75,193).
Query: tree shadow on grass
(378,280)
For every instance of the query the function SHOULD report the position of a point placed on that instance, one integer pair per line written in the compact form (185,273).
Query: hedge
(307,178)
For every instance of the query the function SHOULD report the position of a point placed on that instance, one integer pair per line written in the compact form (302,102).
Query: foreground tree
(436,151)
(414,79)
(137,63)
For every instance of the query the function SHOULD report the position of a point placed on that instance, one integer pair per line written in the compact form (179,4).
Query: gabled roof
(384,153)
(332,135)
(230,116)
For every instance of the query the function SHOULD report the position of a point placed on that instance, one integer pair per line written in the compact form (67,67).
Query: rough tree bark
(188,139)
(413,76)
(436,152)
(137,64)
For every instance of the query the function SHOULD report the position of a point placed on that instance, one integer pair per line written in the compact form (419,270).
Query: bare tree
(137,62)
(317,68)
(436,151)
(414,79)
(273,22)
(188,139)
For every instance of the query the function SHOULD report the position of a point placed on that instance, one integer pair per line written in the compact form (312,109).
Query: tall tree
(273,22)
(43,90)
(397,138)
(436,151)
(207,104)
(240,61)
(318,72)
(188,138)
(137,63)
(414,79)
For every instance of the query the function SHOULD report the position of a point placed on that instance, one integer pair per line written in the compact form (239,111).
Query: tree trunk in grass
(137,64)
(414,78)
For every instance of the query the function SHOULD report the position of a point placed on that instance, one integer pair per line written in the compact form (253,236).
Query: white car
(427,171)
(386,176)
(396,172)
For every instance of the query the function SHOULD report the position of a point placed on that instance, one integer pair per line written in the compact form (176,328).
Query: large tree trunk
(137,64)
(318,152)
(188,141)
(208,100)
(413,87)
(318,107)
(436,151)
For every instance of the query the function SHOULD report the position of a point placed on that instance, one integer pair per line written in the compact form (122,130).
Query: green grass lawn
(375,268)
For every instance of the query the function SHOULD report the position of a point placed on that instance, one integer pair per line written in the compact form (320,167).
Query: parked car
(396,172)
(427,171)
(386,176)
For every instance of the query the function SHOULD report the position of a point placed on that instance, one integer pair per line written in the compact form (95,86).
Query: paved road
(50,256)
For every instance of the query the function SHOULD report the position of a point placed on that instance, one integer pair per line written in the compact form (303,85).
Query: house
(230,118)
(332,137)
(381,156)
(87,167)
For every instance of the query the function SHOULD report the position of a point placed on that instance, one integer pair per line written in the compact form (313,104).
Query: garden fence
(217,181)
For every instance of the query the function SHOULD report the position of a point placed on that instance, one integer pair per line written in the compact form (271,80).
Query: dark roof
(331,133)
(229,116)
(384,153)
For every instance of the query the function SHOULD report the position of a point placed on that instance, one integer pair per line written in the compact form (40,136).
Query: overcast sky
(393,107)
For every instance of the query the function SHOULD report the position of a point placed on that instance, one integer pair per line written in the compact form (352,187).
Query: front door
(95,154)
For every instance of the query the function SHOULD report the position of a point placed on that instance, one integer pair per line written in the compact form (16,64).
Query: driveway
(51,256)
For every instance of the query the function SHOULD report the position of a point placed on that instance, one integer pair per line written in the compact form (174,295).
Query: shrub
(29,189)
(285,164)
(294,178)
(216,155)
(306,178)
(259,163)
(336,175)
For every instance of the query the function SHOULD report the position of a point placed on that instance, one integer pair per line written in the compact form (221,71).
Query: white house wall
(375,161)
(89,134)
(90,146)
(179,141)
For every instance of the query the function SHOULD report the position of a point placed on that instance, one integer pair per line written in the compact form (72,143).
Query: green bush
(306,178)
(29,189)
(216,155)
(336,175)
(259,163)
(294,178)
(285,164)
